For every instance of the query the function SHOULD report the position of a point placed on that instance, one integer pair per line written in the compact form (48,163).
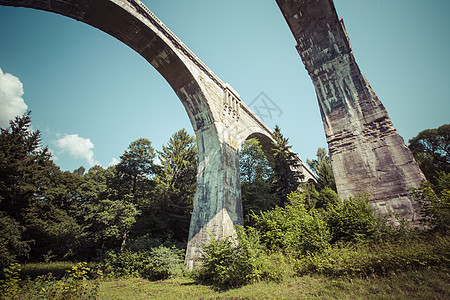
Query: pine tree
(177,182)
(24,166)
(284,165)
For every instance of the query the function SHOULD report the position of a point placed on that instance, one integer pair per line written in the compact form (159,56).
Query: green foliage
(23,166)
(322,167)
(294,228)
(253,162)
(327,197)
(164,263)
(352,219)
(362,258)
(156,264)
(435,210)
(221,263)
(57,268)
(11,243)
(9,284)
(114,218)
(74,285)
(229,262)
(53,229)
(431,149)
(176,184)
(257,188)
(284,162)
(135,166)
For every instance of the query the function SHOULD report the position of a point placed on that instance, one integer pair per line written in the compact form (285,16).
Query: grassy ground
(431,283)
(422,284)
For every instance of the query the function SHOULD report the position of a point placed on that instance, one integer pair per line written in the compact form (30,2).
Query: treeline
(47,214)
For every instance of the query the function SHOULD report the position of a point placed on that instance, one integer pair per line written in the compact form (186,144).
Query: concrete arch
(134,25)
(264,140)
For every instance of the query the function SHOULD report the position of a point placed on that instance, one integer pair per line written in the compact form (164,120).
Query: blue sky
(91,95)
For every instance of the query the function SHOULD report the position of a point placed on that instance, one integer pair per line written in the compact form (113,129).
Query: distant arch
(264,140)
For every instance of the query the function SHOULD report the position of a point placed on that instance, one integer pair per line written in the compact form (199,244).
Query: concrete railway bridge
(221,120)
(367,153)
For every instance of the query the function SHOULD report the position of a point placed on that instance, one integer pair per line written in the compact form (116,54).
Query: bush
(232,262)
(293,229)
(73,285)
(147,242)
(164,263)
(9,285)
(352,219)
(156,264)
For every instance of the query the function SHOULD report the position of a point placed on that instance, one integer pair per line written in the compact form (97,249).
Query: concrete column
(367,153)
(217,203)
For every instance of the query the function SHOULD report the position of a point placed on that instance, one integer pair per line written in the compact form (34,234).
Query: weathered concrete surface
(367,153)
(220,119)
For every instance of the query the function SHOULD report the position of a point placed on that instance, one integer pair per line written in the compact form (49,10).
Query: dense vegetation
(132,219)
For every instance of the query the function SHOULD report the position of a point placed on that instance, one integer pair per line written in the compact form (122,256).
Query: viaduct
(368,155)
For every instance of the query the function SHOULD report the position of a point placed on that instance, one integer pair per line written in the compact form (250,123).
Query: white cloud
(54,157)
(11,102)
(114,161)
(77,147)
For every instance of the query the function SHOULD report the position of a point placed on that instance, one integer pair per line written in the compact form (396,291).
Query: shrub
(125,264)
(73,285)
(293,229)
(221,263)
(164,263)
(352,219)
(156,264)
(231,262)
(9,285)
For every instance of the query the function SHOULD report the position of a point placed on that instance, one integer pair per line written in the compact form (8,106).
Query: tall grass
(381,258)
(58,269)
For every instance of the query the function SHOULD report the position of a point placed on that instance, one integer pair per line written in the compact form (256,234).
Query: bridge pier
(368,155)
(217,203)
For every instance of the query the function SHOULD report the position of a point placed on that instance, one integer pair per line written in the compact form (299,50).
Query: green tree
(53,230)
(322,167)
(135,169)
(253,162)
(431,149)
(23,166)
(177,182)
(25,170)
(284,164)
(114,219)
(257,175)
(129,188)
